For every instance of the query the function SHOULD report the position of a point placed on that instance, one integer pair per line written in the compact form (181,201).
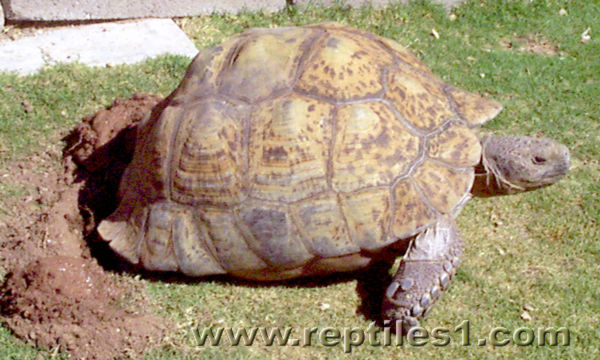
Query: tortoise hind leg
(424,273)
(122,231)
(162,236)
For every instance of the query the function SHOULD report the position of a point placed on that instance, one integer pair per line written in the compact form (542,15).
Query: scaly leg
(424,273)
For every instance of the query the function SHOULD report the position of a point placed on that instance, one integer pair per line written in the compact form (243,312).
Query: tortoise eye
(538,160)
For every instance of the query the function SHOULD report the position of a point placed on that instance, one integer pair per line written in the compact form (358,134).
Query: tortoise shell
(295,151)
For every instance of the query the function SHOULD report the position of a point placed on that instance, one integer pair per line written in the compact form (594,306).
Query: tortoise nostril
(539,160)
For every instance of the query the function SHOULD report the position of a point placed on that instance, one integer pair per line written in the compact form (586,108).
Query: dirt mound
(102,145)
(72,303)
(109,135)
(43,221)
(56,294)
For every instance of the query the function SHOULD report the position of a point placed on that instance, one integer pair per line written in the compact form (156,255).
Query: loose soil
(532,44)
(55,294)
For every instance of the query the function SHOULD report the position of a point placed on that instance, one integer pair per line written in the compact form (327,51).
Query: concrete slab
(96,45)
(56,10)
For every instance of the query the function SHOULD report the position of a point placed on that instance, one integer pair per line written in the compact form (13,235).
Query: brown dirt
(533,44)
(55,293)
(11,32)
(72,303)
(101,146)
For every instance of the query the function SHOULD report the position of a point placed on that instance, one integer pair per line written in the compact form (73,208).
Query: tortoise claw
(413,292)
(425,272)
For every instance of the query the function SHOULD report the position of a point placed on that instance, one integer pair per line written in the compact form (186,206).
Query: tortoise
(304,151)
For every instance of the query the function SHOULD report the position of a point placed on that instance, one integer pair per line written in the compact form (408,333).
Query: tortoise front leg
(425,271)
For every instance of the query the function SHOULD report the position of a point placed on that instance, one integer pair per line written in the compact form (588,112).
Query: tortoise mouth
(547,177)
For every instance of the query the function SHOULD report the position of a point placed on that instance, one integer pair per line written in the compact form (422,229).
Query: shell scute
(343,66)
(248,72)
(411,212)
(371,147)
(229,243)
(206,161)
(457,146)
(444,187)
(473,108)
(289,148)
(419,98)
(368,215)
(270,233)
(323,227)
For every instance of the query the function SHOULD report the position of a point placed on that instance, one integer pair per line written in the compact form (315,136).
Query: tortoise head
(511,164)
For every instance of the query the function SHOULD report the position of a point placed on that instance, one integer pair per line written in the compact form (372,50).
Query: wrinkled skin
(509,164)
(514,164)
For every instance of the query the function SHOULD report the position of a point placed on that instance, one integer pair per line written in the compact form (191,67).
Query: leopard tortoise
(309,150)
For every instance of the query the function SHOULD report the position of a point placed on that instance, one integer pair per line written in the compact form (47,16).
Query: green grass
(538,250)
(59,97)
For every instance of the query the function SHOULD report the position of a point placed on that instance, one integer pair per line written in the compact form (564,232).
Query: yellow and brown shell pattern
(294,151)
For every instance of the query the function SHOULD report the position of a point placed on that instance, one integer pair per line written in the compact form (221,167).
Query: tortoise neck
(486,184)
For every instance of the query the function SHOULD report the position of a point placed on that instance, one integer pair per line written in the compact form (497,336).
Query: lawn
(532,260)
